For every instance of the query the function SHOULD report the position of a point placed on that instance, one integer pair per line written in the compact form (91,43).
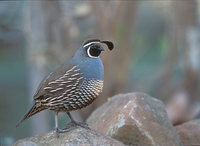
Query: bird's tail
(34,109)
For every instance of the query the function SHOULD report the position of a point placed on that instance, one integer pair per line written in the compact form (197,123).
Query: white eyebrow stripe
(90,44)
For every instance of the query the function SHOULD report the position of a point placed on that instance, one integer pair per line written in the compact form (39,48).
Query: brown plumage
(64,90)
(34,110)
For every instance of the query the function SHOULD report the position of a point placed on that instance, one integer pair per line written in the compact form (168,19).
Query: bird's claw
(71,126)
(74,124)
(63,130)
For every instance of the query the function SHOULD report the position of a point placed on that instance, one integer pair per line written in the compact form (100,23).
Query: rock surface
(135,119)
(189,132)
(78,136)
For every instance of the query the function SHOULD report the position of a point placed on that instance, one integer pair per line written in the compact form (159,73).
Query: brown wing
(59,82)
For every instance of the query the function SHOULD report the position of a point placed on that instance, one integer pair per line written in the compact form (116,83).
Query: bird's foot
(63,130)
(71,126)
(82,124)
(74,124)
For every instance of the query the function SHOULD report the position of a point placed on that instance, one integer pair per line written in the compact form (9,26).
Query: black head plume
(109,44)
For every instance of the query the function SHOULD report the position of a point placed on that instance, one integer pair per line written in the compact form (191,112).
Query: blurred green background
(156,51)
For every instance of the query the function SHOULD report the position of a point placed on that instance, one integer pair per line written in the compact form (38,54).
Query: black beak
(109,44)
(101,48)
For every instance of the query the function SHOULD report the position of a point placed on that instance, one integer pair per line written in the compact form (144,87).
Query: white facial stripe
(90,44)
(88,52)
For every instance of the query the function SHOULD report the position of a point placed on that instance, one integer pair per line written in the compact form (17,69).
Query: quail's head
(92,48)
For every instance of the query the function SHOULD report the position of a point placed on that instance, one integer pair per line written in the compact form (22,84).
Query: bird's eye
(93,51)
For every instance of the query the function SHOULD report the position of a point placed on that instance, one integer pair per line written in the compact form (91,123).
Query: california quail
(73,85)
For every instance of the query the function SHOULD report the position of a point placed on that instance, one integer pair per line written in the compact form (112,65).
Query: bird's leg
(73,122)
(60,130)
(56,125)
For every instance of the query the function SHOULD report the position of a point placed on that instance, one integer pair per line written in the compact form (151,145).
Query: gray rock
(189,132)
(78,136)
(135,119)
